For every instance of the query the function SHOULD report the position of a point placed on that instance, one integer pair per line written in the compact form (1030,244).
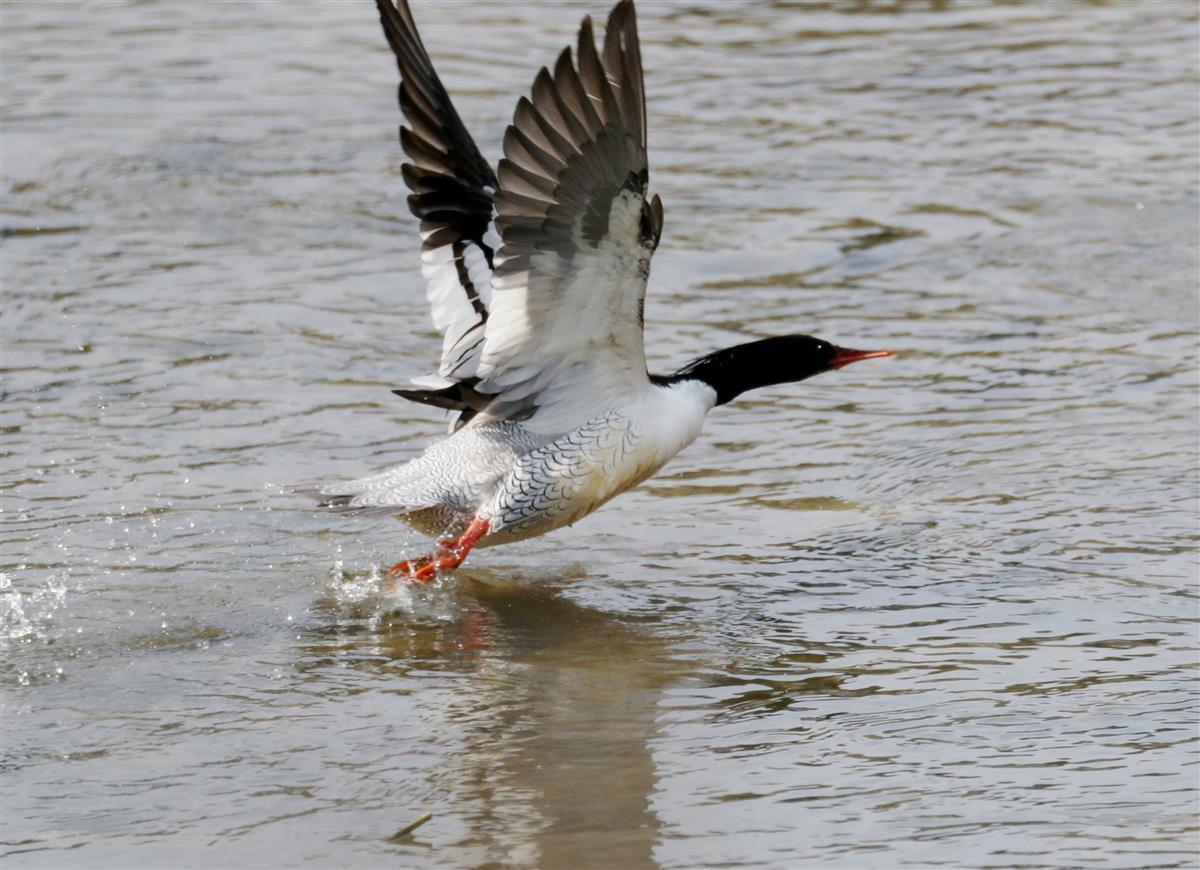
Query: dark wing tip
(576,141)
(447,398)
(425,103)
(459,396)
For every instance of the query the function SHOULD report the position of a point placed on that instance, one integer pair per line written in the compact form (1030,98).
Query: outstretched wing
(577,233)
(453,190)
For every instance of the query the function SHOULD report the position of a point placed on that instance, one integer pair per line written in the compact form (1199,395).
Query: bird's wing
(453,192)
(577,233)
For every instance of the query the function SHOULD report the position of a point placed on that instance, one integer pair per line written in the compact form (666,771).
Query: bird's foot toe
(452,554)
(409,567)
(430,569)
(426,568)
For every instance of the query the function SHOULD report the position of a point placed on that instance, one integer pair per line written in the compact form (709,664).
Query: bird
(536,273)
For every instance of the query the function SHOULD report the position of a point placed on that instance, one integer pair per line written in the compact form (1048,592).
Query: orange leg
(427,567)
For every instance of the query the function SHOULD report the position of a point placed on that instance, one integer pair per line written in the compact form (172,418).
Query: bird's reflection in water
(553,764)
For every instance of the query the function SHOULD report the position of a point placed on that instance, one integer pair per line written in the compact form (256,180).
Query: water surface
(935,610)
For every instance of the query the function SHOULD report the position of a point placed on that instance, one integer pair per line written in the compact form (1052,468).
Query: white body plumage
(526,484)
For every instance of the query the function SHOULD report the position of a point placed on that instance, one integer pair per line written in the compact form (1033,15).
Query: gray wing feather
(577,232)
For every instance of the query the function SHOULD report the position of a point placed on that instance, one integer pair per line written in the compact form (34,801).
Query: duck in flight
(536,273)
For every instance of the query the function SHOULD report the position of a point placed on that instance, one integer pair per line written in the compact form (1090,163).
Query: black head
(778,360)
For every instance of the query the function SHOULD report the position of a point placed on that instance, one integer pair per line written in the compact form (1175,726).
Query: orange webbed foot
(454,552)
(409,568)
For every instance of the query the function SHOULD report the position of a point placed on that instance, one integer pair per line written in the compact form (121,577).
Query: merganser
(537,279)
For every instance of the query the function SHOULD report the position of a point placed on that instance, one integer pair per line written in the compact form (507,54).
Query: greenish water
(939,610)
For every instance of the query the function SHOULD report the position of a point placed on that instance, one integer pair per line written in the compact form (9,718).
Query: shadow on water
(555,718)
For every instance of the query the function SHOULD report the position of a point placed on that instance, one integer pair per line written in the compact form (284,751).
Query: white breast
(672,416)
(568,478)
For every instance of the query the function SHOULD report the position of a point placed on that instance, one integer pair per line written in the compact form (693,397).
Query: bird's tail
(328,497)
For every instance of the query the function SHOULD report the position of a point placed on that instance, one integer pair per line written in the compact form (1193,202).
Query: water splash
(372,593)
(27,615)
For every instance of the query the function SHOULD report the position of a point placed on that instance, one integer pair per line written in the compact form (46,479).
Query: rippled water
(936,610)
